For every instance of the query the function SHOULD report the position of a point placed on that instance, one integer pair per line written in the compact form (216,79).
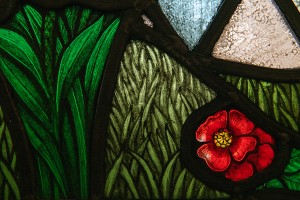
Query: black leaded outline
(165,38)
(199,168)
(164,42)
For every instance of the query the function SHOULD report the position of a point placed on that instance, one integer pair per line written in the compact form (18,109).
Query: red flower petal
(239,123)
(211,125)
(263,158)
(242,145)
(217,159)
(239,172)
(263,136)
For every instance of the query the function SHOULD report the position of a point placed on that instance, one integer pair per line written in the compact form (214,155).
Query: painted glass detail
(190,18)
(281,102)
(258,34)
(153,97)
(9,188)
(232,144)
(54,68)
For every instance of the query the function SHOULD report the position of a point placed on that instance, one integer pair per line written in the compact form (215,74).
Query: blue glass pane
(190,18)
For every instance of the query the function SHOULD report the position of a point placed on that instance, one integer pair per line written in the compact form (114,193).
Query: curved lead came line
(9,7)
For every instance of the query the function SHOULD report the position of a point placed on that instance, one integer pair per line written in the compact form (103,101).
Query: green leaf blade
(73,59)
(76,101)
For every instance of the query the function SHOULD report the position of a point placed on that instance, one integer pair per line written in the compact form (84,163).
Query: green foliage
(280,101)
(8,175)
(153,97)
(55,98)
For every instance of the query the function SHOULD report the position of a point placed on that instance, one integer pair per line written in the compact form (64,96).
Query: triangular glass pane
(297,3)
(190,18)
(258,34)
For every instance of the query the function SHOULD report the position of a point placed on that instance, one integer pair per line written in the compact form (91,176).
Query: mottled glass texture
(190,18)
(297,3)
(258,34)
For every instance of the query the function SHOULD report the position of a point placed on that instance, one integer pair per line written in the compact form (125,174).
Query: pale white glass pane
(297,3)
(258,34)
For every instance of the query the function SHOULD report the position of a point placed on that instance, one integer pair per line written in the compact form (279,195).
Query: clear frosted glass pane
(297,3)
(258,34)
(190,18)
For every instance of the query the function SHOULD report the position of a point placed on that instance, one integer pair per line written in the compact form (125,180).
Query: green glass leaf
(73,59)
(110,180)
(35,22)
(129,179)
(280,101)
(58,136)
(152,183)
(25,89)
(8,173)
(97,61)
(167,177)
(291,175)
(10,179)
(71,15)
(17,49)
(146,117)
(45,178)
(76,101)
(44,144)
(84,19)
(294,164)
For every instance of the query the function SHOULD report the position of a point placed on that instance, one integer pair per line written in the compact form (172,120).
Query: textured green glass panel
(8,176)
(153,97)
(281,102)
(190,18)
(56,90)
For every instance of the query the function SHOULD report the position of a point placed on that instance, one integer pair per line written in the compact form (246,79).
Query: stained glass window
(149,99)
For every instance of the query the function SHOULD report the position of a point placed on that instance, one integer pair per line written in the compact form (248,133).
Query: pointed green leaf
(41,140)
(72,14)
(149,173)
(44,175)
(10,180)
(97,61)
(129,179)
(84,19)
(125,128)
(154,156)
(35,21)
(112,176)
(190,189)
(76,101)
(293,182)
(295,99)
(16,48)
(294,163)
(290,119)
(25,89)
(167,177)
(284,97)
(179,185)
(74,59)
(262,100)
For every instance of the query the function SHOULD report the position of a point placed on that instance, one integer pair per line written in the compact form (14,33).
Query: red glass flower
(233,145)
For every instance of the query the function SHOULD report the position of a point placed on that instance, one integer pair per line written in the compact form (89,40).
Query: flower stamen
(223,138)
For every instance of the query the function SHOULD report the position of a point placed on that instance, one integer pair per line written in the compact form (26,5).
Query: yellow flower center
(223,138)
